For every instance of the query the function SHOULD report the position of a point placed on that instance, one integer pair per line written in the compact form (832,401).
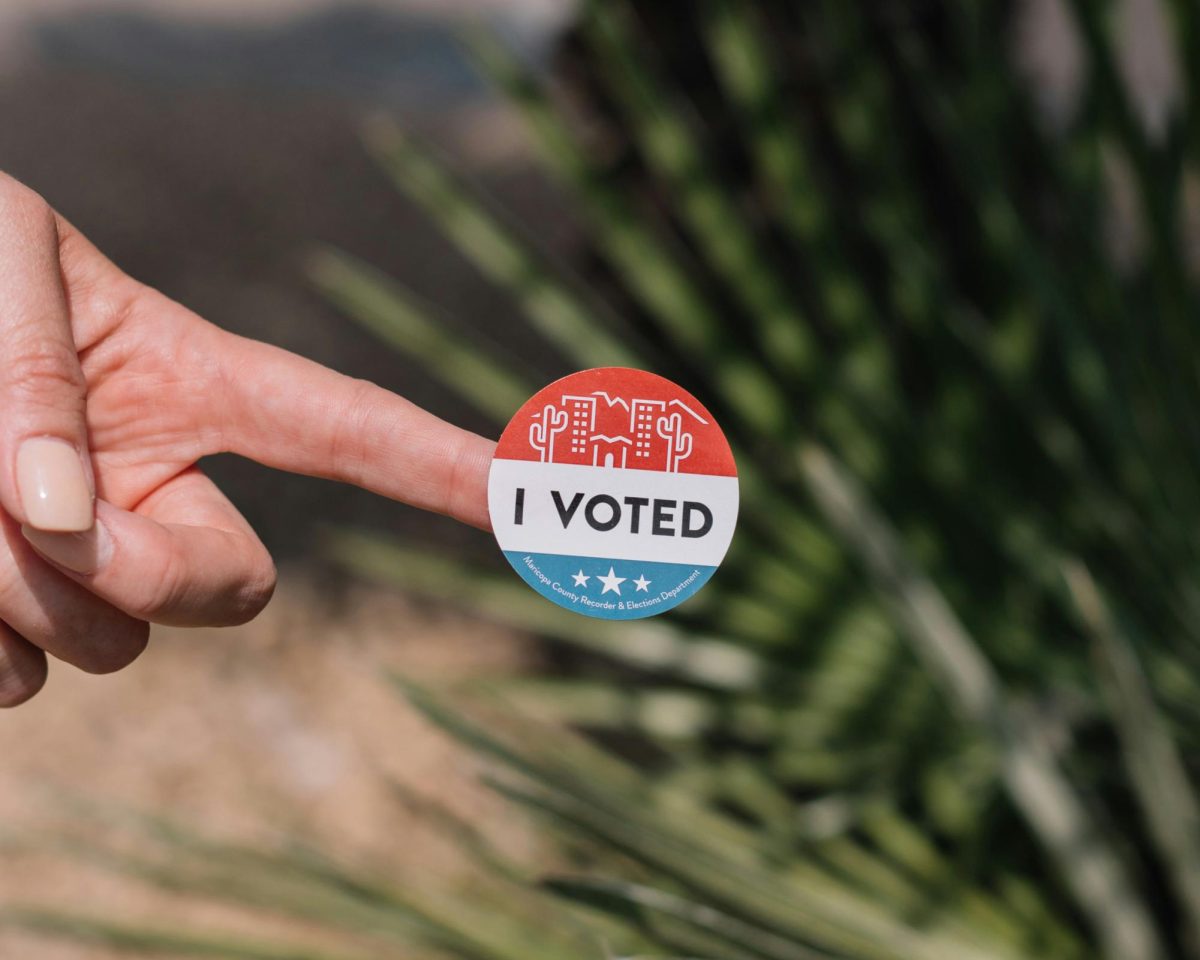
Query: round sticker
(614,493)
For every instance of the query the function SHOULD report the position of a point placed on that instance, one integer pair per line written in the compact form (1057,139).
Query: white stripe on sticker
(620,513)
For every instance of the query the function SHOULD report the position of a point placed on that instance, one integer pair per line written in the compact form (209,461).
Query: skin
(143,388)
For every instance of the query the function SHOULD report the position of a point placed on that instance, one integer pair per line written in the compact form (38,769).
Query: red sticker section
(618,417)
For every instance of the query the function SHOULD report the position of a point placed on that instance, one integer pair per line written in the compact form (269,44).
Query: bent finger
(186,557)
(61,617)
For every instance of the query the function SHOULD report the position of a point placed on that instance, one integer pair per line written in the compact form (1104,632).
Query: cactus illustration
(679,444)
(542,434)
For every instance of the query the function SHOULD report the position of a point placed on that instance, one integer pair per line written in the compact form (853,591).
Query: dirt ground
(283,727)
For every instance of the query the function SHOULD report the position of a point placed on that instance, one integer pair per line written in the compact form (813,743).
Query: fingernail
(83,552)
(54,489)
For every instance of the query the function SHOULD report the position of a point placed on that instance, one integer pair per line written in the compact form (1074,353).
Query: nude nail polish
(53,486)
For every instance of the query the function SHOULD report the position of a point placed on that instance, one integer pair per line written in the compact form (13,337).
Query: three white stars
(612,583)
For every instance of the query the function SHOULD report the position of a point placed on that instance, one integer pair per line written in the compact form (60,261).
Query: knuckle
(21,677)
(256,589)
(158,592)
(19,202)
(108,651)
(45,370)
(16,689)
(347,443)
(453,491)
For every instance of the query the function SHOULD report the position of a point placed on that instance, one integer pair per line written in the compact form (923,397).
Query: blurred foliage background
(941,699)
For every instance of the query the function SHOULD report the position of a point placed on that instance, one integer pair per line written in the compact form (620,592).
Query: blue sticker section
(609,589)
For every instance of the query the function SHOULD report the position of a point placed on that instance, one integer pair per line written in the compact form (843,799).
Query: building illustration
(599,430)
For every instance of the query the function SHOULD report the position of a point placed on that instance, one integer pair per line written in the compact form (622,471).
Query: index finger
(293,414)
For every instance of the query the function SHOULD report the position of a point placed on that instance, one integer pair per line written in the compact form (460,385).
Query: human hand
(109,394)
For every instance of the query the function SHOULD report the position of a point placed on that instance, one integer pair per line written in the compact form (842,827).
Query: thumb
(45,473)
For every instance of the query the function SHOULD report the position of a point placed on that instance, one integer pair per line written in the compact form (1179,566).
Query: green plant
(941,700)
